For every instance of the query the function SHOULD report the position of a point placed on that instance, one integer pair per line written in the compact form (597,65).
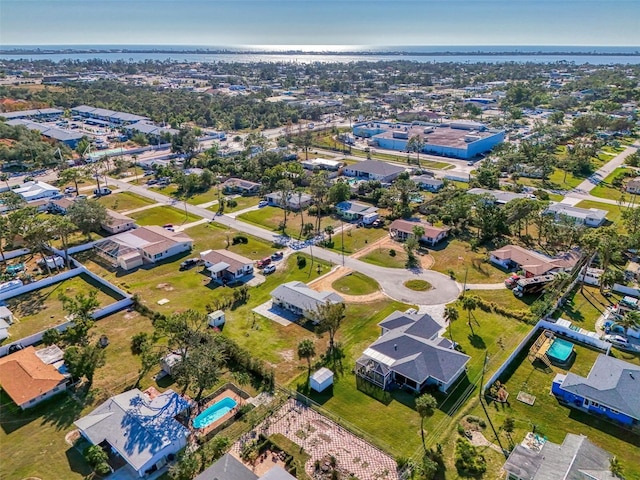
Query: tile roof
(25,377)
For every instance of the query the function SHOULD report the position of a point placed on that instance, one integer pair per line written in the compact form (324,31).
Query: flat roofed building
(28,380)
(459,139)
(374,170)
(36,190)
(41,113)
(120,118)
(68,137)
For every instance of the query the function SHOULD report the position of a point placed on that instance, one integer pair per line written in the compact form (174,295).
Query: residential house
(28,380)
(400,230)
(611,389)
(425,182)
(356,211)
(239,186)
(374,170)
(59,205)
(149,244)
(500,197)
(322,164)
(575,459)
(302,300)
(225,266)
(34,190)
(633,186)
(533,263)
(592,217)
(297,201)
(229,467)
(117,222)
(410,353)
(140,428)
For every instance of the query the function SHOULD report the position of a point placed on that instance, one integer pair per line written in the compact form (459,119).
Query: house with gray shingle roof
(374,170)
(575,459)
(411,353)
(141,429)
(230,468)
(612,389)
(298,298)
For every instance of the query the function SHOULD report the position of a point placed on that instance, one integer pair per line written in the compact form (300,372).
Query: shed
(216,319)
(6,315)
(169,361)
(321,379)
(4,330)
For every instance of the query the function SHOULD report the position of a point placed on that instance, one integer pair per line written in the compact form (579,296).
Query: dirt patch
(72,437)
(130,315)
(167,287)
(287,355)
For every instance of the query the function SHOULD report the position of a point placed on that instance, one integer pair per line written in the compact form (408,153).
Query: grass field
(356,284)
(382,257)
(606,190)
(271,218)
(418,285)
(585,305)
(162,216)
(355,239)
(242,203)
(121,202)
(38,310)
(553,420)
(458,257)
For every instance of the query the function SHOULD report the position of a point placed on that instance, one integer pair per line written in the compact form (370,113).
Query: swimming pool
(560,350)
(214,412)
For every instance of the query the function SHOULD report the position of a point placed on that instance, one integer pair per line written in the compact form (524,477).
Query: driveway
(599,175)
(391,280)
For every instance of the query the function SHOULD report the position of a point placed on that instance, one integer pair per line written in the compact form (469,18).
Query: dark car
(187,264)
(277,255)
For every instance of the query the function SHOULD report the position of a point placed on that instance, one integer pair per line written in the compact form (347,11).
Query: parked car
(152,182)
(262,203)
(377,224)
(81,197)
(264,262)
(190,263)
(167,225)
(99,192)
(512,280)
(69,189)
(277,255)
(617,341)
(269,269)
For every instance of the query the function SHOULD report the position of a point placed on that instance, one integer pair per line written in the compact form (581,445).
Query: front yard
(605,189)
(162,216)
(355,239)
(122,202)
(272,217)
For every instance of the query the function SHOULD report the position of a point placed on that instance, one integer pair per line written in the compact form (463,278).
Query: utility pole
(342,235)
(480,393)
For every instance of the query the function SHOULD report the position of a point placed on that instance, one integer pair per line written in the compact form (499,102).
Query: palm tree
(469,303)
(329,231)
(451,314)
(416,144)
(426,405)
(4,177)
(307,350)
(630,320)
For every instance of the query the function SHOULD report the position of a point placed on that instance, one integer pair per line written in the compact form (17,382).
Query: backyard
(38,310)
(585,305)
(162,216)
(554,421)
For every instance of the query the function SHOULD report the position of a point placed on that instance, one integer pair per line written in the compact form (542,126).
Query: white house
(223,265)
(28,380)
(117,222)
(296,201)
(401,230)
(356,211)
(533,263)
(591,217)
(142,429)
(300,299)
(36,190)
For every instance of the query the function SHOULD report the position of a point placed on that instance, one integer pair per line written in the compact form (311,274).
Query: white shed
(4,330)
(169,361)
(216,319)
(6,315)
(321,379)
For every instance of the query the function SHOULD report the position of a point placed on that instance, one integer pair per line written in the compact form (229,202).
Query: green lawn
(379,155)
(121,202)
(418,285)
(242,203)
(271,218)
(553,420)
(457,256)
(382,257)
(606,190)
(505,297)
(585,305)
(162,216)
(614,215)
(356,283)
(215,236)
(41,309)
(355,239)
(204,197)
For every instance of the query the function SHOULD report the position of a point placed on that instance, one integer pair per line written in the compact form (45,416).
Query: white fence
(31,339)
(15,253)
(45,282)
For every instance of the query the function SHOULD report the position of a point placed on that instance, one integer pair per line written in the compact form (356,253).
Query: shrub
(138,341)
(232,203)
(51,336)
(301,261)
(97,458)
(468,461)
(392,253)
(240,239)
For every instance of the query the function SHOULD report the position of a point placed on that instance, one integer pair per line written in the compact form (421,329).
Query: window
(616,412)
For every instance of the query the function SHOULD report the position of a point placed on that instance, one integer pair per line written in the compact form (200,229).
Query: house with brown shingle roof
(533,263)
(117,222)
(402,230)
(223,265)
(28,380)
(633,186)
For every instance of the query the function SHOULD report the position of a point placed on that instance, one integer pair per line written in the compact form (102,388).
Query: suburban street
(391,280)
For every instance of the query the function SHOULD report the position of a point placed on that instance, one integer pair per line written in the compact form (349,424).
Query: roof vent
(631,375)
(395,346)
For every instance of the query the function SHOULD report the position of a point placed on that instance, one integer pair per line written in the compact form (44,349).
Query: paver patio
(321,437)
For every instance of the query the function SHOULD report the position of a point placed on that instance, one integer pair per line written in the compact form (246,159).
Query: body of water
(461,54)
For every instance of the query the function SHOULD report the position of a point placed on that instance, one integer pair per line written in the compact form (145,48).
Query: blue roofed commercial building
(68,137)
(36,114)
(105,115)
(461,139)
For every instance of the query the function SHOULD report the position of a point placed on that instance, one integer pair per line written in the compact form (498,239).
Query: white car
(269,269)
(69,189)
(263,203)
(617,340)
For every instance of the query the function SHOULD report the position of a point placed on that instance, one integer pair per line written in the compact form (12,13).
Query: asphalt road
(391,280)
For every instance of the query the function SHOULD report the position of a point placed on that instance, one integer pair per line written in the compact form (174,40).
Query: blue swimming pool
(214,412)
(560,350)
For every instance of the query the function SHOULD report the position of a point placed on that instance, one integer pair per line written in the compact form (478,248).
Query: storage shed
(322,379)
(216,319)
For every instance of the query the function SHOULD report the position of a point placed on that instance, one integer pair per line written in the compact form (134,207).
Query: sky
(335,23)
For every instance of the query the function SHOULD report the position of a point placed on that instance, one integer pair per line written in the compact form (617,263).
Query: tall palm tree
(451,314)
(307,350)
(4,177)
(469,303)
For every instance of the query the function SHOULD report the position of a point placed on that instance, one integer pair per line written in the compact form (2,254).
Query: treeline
(21,147)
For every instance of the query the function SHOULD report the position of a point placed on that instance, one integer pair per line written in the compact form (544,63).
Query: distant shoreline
(444,53)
